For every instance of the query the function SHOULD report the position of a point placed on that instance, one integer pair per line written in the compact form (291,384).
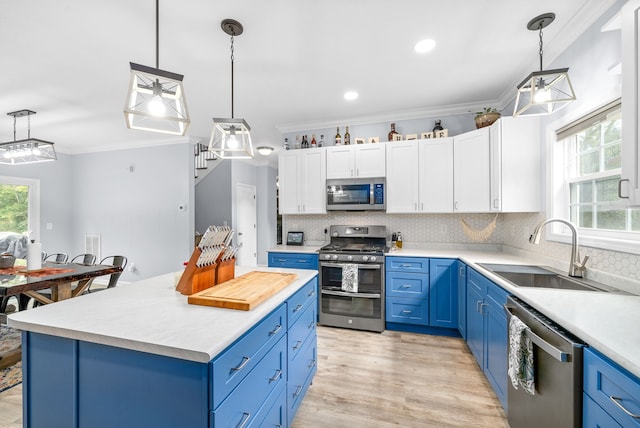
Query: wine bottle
(297,146)
(286,144)
(347,137)
(321,142)
(314,144)
(392,133)
(305,142)
(338,137)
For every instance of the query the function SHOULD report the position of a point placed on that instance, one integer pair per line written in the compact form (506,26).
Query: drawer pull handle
(245,419)
(311,364)
(282,260)
(617,402)
(276,376)
(275,330)
(311,293)
(297,308)
(406,311)
(298,391)
(244,362)
(311,324)
(407,265)
(405,286)
(302,261)
(297,345)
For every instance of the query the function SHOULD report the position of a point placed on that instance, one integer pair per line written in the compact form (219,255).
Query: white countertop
(306,249)
(150,316)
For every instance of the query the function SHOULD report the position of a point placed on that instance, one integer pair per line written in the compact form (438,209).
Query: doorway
(247,235)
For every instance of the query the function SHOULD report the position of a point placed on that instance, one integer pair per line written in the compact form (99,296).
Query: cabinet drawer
(300,375)
(407,264)
(305,297)
(414,285)
(293,260)
(275,408)
(407,311)
(607,383)
(237,361)
(594,417)
(244,404)
(301,331)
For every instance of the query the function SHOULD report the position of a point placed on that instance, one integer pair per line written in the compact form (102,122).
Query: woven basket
(486,119)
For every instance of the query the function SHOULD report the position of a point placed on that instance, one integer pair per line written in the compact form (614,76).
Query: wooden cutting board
(244,292)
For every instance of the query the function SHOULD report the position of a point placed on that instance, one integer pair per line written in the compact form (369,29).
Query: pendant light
(155,100)
(31,150)
(231,138)
(544,91)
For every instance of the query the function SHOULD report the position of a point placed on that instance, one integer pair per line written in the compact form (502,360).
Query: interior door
(246,225)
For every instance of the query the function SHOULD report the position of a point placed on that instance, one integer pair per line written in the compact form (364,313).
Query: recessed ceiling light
(425,45)
(350,95)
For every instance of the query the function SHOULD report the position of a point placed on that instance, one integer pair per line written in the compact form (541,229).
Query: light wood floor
(378,380)
(396,379)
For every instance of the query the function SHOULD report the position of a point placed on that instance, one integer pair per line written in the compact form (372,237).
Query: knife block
(225,270)
(195,278)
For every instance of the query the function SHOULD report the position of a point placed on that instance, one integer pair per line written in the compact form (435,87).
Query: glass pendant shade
(544,92)
(29,150)
(231,139)
(156,101)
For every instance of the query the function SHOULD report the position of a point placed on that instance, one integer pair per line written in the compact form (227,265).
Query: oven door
(363,310)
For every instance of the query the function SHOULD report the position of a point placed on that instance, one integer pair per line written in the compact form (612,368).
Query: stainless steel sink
(541,277)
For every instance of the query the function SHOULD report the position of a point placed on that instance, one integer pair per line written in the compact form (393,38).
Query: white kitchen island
(140,355)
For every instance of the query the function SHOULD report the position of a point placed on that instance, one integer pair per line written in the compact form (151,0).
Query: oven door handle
(360,266)
(347,294)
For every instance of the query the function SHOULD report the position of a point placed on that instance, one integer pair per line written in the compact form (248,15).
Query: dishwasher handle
(563,357)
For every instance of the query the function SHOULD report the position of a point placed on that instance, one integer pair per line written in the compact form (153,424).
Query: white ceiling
(69,61)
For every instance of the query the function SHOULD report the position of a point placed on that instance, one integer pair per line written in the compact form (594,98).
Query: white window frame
(557,197)
(34,201)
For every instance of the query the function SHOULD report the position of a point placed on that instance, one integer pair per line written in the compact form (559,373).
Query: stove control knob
(349,258)
(365,258)
(334,257)
(373,258)
(327,256)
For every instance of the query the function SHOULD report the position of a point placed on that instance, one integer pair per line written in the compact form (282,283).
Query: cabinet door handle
(620,188)
(276,376)
(244,362)
(298,391)
(245,419)
(482,308)
(415,206)
(311,364)
(461,270)
(478,306)
(297,345)
(617,402)
(275,330)
(495,203)
(357,172)
(421,206)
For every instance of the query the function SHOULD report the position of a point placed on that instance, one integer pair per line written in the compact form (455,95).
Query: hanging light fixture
(155,100)
(231,138)
(31,150)
(544,91)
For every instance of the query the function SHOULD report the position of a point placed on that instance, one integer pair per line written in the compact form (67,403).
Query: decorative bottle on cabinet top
(438,126)
(347,137)
(321,142)
(297,146)
(314,144)
(338,137)
(305,142)
(392,133)
(286,144)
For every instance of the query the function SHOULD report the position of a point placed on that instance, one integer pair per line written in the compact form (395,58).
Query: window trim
(34,201)
(557,195)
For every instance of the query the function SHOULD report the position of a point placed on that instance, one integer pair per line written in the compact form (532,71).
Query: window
(587,159)
(19,207)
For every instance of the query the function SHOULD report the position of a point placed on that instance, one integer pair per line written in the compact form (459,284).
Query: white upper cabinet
(516,176)
(302,178)
(420,176)
(629,188)
(472,172)
(356,160)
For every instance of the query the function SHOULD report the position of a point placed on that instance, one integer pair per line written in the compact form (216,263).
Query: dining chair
(57,258)
(84,259)
(120,261)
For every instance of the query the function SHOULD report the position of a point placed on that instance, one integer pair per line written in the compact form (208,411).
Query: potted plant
(486,117)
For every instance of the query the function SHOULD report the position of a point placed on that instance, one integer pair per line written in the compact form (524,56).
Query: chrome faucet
(576,267)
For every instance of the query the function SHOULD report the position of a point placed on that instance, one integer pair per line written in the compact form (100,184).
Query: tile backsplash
(511,230)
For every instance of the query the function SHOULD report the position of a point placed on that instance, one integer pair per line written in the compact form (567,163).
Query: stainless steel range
(352,278)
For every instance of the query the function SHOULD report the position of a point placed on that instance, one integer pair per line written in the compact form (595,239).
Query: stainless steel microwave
(356,194)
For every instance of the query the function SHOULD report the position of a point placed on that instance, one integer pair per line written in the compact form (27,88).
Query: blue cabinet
(611,393)
(293,260)
(421,294)
(487,334)
(259,380)
(462,299)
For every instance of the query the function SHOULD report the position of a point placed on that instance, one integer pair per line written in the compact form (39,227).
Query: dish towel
(350,277)
(521,370)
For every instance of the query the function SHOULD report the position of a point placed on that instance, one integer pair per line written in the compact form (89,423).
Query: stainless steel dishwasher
(557,356)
